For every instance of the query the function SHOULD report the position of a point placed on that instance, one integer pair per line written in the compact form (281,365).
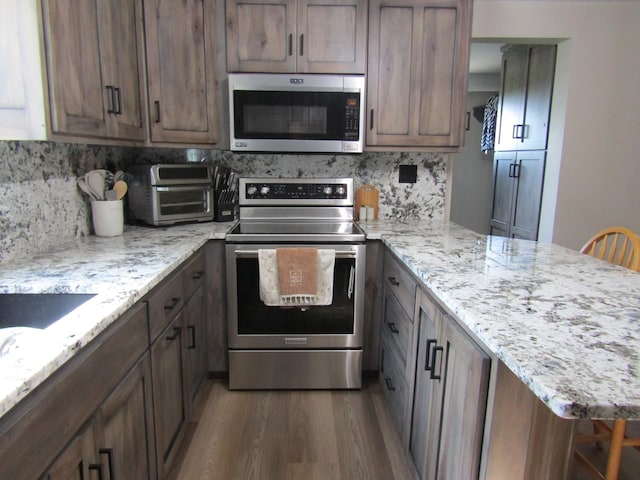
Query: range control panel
(296,191)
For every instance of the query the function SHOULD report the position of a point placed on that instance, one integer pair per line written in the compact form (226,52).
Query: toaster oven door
(173,204)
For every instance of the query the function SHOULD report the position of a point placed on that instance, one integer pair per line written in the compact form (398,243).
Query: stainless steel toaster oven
(164,194)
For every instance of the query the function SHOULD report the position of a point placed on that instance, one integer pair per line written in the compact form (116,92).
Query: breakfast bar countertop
(566,324)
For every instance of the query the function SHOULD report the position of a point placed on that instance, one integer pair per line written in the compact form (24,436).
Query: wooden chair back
(617,245)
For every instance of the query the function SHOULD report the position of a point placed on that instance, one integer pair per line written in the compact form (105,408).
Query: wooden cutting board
(367,196)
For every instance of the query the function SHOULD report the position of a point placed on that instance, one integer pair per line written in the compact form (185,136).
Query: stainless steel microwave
(296,113)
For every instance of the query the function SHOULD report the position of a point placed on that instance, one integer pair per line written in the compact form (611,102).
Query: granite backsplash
(42,207)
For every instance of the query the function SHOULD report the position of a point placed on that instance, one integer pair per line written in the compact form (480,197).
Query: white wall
(471,178)
(593,162)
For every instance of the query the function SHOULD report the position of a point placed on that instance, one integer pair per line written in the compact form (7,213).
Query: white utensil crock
(108,217)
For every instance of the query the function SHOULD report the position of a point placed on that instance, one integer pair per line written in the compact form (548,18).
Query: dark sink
(37,310)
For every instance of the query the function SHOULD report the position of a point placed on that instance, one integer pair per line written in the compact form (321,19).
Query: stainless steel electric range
(295,347)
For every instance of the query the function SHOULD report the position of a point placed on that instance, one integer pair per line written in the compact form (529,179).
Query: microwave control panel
(352,117)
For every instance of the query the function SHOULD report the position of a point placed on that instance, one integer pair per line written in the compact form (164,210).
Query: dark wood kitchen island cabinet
(417,77)
(435,378)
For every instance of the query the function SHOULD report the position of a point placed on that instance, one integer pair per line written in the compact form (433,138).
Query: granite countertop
(120,270)
(563,322)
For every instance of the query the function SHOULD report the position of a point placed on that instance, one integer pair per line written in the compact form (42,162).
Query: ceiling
(485,58)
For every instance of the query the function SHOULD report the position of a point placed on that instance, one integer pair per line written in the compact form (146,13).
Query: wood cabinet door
(427,395)
(512,98)
(77,96)
(537,108)
(417,75)
(525,97)
(503,193)
(261,35)
(168,393)
(124,427)
(528,194)
(122,40)
(463,405)
(78,460)
(195,343)
(331,36)
(181,73)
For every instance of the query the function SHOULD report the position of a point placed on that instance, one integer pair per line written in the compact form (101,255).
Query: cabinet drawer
(165,302)
(397,327)
(394,386)
(398,279)
(193,274)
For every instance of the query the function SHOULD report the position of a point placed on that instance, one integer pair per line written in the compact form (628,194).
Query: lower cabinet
(435,379)
(120,407)
(194,345)
(118,442)
(168,392)
(449,397)
(518,178)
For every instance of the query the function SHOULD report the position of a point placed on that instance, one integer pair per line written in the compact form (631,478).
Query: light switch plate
(408,174)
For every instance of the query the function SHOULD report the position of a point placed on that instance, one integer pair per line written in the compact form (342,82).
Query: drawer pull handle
(393,281)
(176,334)
(389,383)
(433,364)
(109,453)
(173,304)
(392,327)
(98,468)
(192,335)
(198,275)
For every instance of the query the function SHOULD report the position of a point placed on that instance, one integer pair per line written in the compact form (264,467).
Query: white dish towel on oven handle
(269,285)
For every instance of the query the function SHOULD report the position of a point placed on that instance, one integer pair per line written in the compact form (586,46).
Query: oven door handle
(254,253)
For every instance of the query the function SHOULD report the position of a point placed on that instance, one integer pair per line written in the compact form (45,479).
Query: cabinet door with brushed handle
(450,395)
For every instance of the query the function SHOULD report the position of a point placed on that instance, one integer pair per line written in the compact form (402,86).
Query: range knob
(327,190)
(252,190)
(340,189)
(264,190)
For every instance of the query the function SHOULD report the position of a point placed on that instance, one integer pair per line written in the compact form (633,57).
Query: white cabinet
(304,36)
(22,103)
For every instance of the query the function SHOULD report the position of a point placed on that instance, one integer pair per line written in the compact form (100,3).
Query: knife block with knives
(225,195)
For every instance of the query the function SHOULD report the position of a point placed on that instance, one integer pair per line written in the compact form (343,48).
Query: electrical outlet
(408,174)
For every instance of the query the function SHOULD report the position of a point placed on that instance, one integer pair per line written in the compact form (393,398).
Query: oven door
(254,325)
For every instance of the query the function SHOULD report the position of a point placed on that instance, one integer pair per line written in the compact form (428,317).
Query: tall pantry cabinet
(521,139)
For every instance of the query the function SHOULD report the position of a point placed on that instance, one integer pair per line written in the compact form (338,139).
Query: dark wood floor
(309,435)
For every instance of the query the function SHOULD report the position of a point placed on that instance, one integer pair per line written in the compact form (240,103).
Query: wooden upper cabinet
(525,97)
(93,67)
(307,36)
(418,69)
(181,74)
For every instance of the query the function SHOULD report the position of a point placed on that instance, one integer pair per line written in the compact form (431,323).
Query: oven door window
(293,115)
(183,200)
(255,318)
